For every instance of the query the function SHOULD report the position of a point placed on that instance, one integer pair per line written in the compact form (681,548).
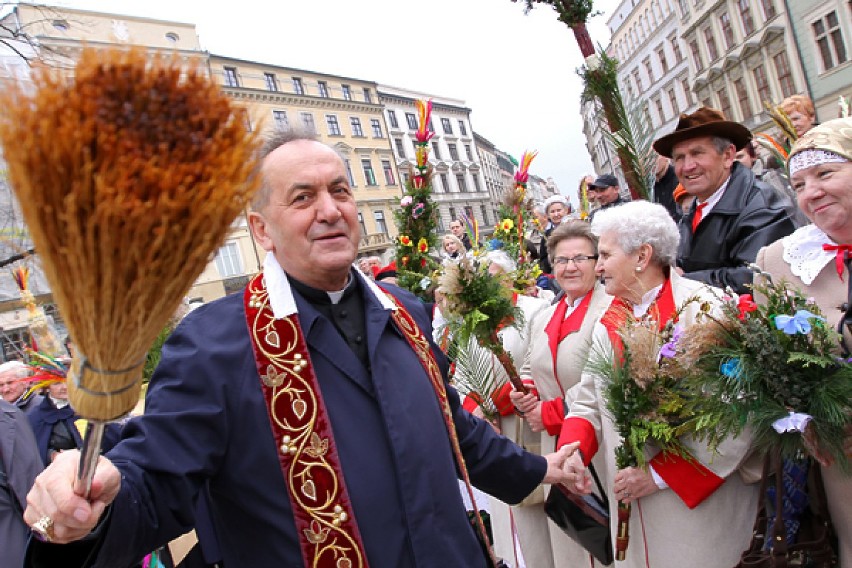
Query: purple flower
(406,201)
(799,323)
(669,349)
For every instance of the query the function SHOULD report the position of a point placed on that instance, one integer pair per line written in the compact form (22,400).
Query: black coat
(747,217)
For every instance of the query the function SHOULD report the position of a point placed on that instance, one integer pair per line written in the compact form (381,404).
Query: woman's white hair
(637,223)
(501,259)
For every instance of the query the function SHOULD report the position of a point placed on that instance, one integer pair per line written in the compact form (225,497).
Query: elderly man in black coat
(734,214)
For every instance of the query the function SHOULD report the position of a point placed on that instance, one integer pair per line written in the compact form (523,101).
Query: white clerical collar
(281,295)
(648,298)
(59,403)
(804,253)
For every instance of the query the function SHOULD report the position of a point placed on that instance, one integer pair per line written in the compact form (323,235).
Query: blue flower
(731,368)
(799,323)
(495,244)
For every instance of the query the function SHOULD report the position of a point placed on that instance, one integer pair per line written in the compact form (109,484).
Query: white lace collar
(648,298)
(803,252)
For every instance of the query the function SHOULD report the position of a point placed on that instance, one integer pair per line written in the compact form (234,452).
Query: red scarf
(559,327)
(620,311)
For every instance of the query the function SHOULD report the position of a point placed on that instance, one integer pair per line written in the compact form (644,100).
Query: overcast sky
(516,72)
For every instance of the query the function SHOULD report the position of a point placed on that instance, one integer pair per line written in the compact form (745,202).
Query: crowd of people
(312,420)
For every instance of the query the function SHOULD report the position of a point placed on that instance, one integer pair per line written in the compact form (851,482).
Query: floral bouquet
(477,306)
(645,396)
(772,366)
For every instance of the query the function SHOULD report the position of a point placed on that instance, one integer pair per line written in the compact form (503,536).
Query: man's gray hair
(275,140)
(502,259)
(721,143)
(637,223)
(19,369)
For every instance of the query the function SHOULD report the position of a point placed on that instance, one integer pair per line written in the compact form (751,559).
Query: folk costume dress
(704,518)
(516,342)
(801,260)
(380,445)
(560,337)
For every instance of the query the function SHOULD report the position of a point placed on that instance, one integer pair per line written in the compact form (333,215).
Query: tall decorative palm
(575,14)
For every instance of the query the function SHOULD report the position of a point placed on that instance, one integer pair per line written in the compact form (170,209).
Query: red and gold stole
(620,311)
(322,510)
(325,521)
(559,327)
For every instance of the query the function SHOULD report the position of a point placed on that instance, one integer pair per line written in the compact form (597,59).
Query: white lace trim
(803,252)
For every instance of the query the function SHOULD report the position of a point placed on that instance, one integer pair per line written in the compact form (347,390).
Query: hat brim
(738,134)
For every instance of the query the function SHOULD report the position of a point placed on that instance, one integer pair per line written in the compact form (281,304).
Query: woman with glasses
(558,347)
(815,259)
(687,511)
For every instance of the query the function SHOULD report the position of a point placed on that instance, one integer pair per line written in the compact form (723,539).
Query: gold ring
(44,528)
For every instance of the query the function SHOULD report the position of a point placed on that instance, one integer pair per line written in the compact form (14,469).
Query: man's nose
(327,207)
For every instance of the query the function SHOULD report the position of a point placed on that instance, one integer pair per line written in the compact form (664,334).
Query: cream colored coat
(829,292)
(717,530)
(542,543)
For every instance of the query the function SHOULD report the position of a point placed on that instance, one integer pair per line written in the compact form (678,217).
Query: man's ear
(260,230)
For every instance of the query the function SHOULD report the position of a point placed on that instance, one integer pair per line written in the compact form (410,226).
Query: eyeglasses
(562,261)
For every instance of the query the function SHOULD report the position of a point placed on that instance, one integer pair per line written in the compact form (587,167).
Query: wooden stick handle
(89,454)
(622,536)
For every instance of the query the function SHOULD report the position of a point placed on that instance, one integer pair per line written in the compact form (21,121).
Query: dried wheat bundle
(129,174)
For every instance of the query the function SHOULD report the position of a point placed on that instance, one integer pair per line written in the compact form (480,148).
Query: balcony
(374,242)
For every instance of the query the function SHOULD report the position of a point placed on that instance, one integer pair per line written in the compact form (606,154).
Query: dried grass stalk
(129,174)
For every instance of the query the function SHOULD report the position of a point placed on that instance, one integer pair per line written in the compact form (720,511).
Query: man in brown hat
(734,214)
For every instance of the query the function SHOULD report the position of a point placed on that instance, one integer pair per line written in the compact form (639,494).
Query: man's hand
(52,497)
(565,466)
(633,483)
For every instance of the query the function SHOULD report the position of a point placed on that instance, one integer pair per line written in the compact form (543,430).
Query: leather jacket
(750,215)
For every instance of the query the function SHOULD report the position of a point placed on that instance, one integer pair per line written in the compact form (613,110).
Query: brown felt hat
(703,122)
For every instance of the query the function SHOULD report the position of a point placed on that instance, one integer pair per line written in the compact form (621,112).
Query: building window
(725,103)
(280,118)
(454,153)
(349,173)
(743,98)
(376,127)
(637,79)
(244,114)
(228,261)
(271,81)
(445,181)
(400,147)
(676,49)
(468,152)
(768,9)
(684,9)
(745,16)
(762,84)
(687,92)
(333,125)
(658,103)
(361,222)
(392,119)
(412,120)
(308,122)
(649,70)
(664,64)
(710,42)
(785,77)
(369,174)
(461,182)
(435,151)
(356,126)
(381,226)
(696,55)
(727,30)
(462,128)
(829,39)
(388,171)
(476,186)
(323,89)
(298,87)
(445,124)
(347,92)
(231,79)
(673,100)
(484,210)
(368,96)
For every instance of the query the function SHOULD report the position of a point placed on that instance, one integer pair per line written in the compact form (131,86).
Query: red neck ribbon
(841,254)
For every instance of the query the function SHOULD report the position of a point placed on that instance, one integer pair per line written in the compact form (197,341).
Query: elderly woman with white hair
(560,337)
(687,511)
(816,259)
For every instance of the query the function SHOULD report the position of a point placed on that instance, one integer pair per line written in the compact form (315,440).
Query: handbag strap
(604,498)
